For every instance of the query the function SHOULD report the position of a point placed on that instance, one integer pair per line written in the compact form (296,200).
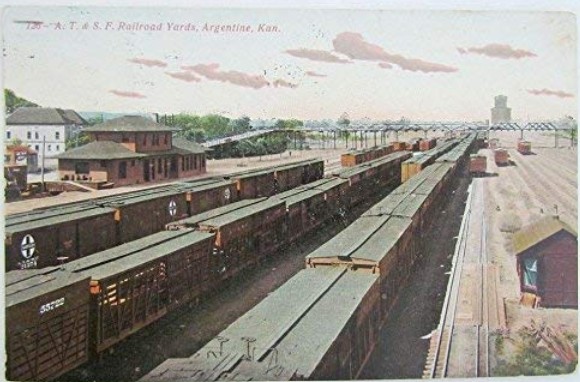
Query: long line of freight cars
(47,236)
(62,316)
(324,322)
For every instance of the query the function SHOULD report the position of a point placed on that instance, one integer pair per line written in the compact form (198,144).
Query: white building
(33,124)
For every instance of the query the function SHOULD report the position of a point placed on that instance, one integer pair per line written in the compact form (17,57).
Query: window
(122,170)
(195,162)
(57,135)
(28,135)
(166,140)
(49,148)
(155,139)
(36,148)
(182,163)
(36,135)
(530,273)
(81,167)
(8,135)
(57,147)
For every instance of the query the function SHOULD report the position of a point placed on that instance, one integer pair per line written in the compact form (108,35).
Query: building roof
(184,144)
(44,116)
(100,150)
(539,231)
(20,148)
(130,123)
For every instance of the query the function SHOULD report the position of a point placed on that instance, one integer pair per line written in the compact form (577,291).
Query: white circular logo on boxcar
(227,194)
(172,208)
(27,246)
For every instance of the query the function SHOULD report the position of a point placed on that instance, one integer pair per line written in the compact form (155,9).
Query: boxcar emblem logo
(27,246)
(227,194)
(172,208)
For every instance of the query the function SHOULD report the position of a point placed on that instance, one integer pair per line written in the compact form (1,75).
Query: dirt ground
(533,186)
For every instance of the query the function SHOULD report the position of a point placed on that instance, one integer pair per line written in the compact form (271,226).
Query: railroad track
(452,323)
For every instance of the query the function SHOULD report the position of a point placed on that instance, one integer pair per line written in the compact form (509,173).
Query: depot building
(131,150)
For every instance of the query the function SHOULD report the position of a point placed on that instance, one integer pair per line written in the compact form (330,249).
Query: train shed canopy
(547,261)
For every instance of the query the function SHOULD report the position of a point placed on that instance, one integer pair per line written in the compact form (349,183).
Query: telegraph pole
(42,166)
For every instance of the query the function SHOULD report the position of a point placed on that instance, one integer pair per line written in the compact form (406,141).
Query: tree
(288,124)
(76,140)
(240,125)
(344,120)
(13,102)
(16,142)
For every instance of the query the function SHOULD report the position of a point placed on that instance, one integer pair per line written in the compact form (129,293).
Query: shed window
(530,273)
(28,135)
(122,170)
(8,135)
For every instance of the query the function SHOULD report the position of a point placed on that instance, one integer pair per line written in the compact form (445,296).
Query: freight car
(48,236)
(477,165)
(501,157)
(134,284)
(524,147)
(370,177)
(47,318)
(415,164)
(427,144)
(360,156)
(292,342)
(324,325)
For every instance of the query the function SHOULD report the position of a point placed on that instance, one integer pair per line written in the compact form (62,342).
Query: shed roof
(539,231)
(184,144)
(44,116)
(130,123)
(99,150)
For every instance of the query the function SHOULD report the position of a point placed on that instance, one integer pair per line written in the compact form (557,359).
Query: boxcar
(40,238)
(477,164)
(137,283)
(306,210)
(524,147)
(245,235)
(255,184)
(321,324)
(294,174)
(209,196)
(47,319)
(501,157)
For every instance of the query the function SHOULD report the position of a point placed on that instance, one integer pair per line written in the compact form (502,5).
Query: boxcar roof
(310,339)
(351,238)
(274,316)
(123,250)
(57,219)
(215,212)
(329,184)
(39,285)
(297,198)
(383,240)
(46,213)
(123,264)
(16,276)
(409,206)
(386,205)
(243,212)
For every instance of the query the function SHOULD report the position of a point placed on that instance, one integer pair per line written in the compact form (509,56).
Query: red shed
(547,261)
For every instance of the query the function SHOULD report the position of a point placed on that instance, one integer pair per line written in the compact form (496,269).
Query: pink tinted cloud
(502,51)
(385,65)
(148,62)
(184,76)
(548,92)
(284,84)
(212,72)
(122,93)
(317,55)
(353,45)
(311,73)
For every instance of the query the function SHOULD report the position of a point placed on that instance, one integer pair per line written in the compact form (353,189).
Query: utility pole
(42,166)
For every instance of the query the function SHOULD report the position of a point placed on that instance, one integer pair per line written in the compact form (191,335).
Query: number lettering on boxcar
(50,306)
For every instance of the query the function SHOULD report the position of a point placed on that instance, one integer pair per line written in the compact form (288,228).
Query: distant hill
(13,101)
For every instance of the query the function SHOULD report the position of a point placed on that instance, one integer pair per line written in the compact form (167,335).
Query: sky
(294,63)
